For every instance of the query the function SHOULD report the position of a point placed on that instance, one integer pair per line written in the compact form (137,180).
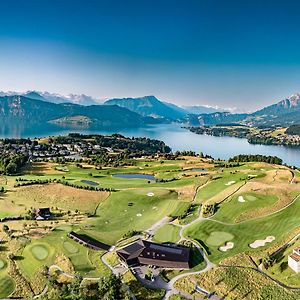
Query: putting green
(250,197)
(70,247)
(2,264)
(218,238)
(40,252)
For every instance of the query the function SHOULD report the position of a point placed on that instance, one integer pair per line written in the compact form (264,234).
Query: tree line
(25,182)
(256,158)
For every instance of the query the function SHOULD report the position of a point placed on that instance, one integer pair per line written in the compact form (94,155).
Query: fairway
(232,210)
(130,210)
(244,233)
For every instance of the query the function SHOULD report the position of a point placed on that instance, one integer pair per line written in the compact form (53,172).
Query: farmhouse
(42,213)
(294,260)
(88,241)
(148,253)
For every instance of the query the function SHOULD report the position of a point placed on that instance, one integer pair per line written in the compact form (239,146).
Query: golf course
(251,212)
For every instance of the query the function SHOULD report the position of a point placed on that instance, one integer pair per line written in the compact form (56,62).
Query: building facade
(294,260)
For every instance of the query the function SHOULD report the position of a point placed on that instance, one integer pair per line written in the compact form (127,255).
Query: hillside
(215,118)
(283,113)
(285,106)
(22,109)
(200,109)
(149,106)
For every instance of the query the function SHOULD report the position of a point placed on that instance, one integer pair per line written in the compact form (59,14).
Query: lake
(173,135)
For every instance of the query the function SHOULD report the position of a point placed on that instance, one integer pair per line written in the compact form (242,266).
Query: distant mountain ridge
(286,112)
(149,106)
(145,110)
(290,104)
(81,99)
(23,109)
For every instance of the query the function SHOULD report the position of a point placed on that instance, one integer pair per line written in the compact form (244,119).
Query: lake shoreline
(175,137)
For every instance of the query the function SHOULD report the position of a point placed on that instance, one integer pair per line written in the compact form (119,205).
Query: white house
(294,260)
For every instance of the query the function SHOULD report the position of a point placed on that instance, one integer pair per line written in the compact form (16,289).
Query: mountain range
(34,111)
(81,99)
(86,111)
(147,106)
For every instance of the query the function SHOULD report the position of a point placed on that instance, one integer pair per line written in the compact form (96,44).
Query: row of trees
(256,158)
(24,182)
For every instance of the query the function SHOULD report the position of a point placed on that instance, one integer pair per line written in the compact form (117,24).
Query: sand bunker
(261,243)
(226,247)
(150,194)
(251,175)
(138,215)
(241,199)
(230,182)
(154,207)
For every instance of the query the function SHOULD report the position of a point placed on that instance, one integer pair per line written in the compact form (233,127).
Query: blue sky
(241,54)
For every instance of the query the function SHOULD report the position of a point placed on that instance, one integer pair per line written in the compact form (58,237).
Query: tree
(111,288)
(267,261)
(11,168)
(74,288)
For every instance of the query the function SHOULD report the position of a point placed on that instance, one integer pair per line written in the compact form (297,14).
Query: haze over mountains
(145,106)
(84,110)
(56,98)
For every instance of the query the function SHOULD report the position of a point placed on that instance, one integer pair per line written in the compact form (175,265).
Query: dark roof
(43,210)
(155,254)
(89,241)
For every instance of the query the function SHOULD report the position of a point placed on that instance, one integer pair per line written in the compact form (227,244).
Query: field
(54,195)
(236,283)
(251,202)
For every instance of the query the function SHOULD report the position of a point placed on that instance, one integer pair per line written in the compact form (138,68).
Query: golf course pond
(89,182)
(134,176)
(198,170)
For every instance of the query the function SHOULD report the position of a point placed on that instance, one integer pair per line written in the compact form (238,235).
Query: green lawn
(130,210)
(222,181)
(43,252)
(167,234)
(278,225)
(232,209)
